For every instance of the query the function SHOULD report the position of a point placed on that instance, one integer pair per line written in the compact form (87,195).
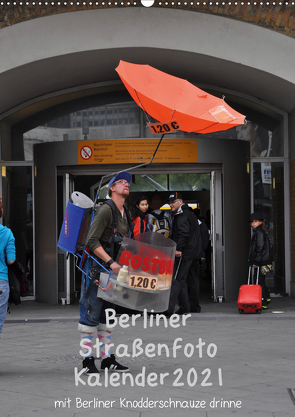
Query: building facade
(59,88)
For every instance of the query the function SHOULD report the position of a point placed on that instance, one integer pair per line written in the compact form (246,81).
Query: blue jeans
(92,310)
(4,295)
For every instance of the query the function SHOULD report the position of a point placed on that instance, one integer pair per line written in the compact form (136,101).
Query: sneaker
(112,365)
(89,366)
(268,300)
(264,307)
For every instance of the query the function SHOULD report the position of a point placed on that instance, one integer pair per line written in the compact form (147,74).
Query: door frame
(216,236)
(67,266)
(216,210)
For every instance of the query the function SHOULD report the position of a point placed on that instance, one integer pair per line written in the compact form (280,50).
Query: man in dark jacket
(186,234)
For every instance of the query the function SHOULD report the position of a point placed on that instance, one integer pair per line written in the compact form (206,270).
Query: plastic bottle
(122,275)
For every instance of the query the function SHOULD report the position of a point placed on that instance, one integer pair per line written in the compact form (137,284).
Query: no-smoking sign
(86,152)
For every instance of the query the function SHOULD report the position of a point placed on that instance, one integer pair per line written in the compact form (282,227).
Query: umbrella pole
(118,172)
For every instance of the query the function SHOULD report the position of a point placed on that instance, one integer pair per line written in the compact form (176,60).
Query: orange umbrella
(166,98)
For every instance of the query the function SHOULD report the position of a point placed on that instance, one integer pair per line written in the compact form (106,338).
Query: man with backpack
(110,224)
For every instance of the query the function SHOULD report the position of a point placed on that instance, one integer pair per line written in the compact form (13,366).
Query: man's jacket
(186,233)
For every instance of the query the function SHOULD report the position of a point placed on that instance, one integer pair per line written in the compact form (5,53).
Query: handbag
(266,269)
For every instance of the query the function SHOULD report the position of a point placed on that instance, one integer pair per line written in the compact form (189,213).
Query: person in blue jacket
(7,256)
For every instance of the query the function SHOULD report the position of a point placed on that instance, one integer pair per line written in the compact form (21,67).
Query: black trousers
(182,276)
(187,273)
(193,285)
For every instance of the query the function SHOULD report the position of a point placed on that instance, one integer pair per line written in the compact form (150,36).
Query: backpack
(17,284)
(159,221)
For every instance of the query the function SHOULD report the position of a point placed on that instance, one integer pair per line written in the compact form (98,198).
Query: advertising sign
(122,151)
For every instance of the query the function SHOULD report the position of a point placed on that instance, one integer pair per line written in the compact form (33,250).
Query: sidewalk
(224,364)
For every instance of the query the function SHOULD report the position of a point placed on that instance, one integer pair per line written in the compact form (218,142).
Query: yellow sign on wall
(122,151)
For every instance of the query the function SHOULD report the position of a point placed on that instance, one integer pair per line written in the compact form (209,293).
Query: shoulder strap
(129,223)
(115,224)
(115,215)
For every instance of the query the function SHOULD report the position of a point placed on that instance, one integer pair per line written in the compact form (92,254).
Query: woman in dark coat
(260,254)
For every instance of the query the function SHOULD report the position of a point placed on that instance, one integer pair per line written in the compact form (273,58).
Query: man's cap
(174,196)
(121,176)
(256,216)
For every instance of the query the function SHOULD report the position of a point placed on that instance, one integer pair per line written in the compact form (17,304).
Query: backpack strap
(112,205)
(115,225)
(130,225)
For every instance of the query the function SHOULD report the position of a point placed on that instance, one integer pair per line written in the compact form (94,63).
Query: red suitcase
(250,296)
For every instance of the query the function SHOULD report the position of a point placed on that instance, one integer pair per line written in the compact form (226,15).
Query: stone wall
(278,16)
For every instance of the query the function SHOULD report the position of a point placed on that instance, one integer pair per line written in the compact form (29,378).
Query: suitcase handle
(250,269)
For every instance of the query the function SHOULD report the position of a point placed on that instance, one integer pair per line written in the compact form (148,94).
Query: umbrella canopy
(165,97)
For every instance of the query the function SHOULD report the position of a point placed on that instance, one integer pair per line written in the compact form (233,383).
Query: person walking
(104,244)
(7,257)
(139,215)
(260,254)
(187,236)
